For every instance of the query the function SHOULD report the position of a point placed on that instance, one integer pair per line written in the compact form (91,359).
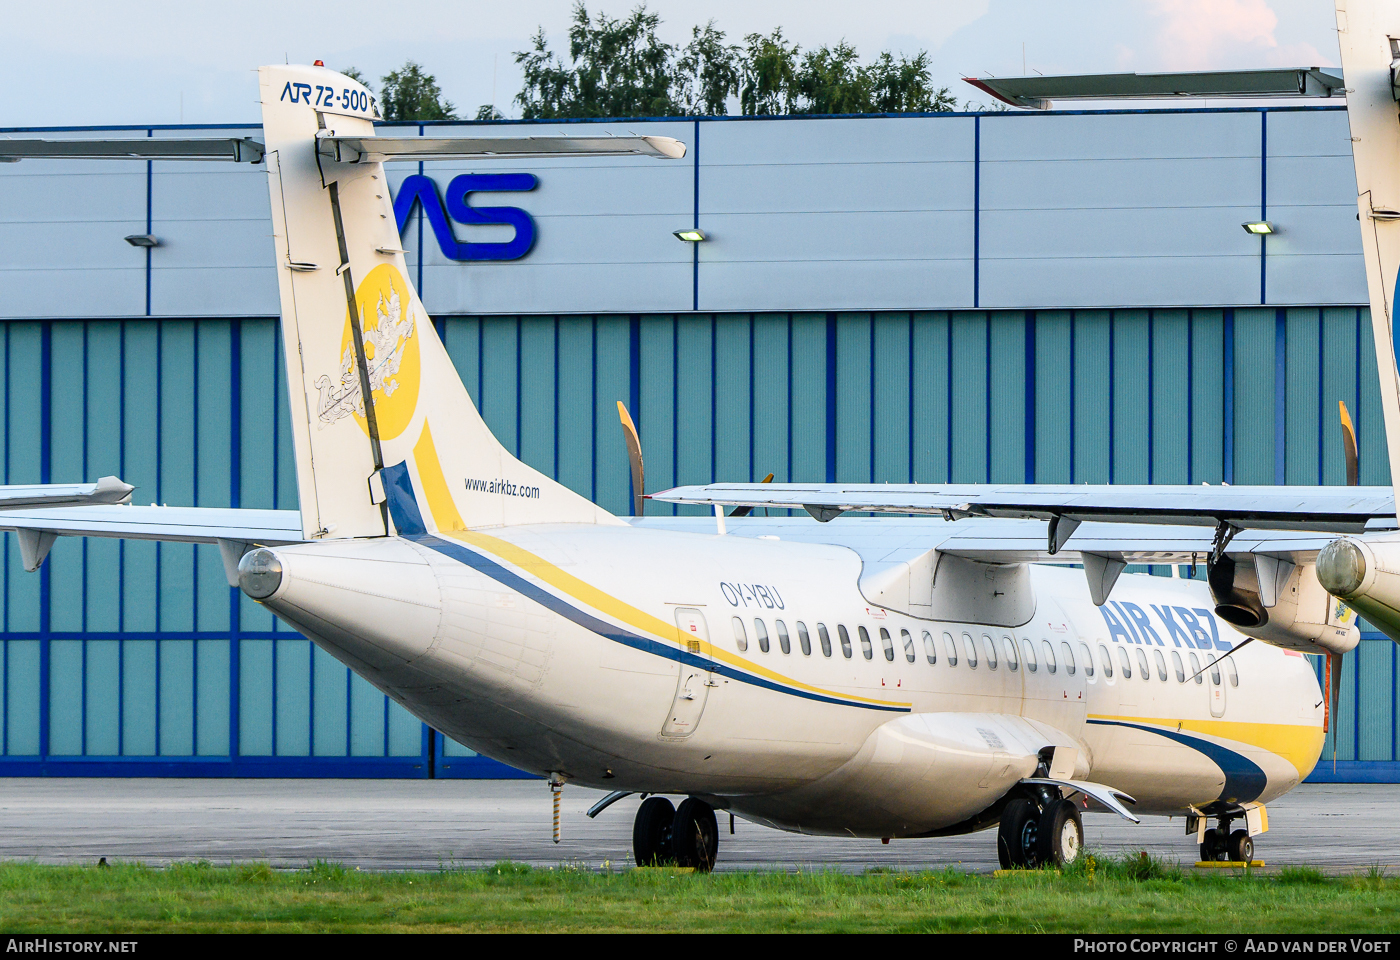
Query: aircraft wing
(1335,509)
(24,496)
(234,530)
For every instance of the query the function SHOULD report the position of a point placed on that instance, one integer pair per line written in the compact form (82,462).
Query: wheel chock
(1229,864)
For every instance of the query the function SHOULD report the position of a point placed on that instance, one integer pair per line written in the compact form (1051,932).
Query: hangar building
(1053,297)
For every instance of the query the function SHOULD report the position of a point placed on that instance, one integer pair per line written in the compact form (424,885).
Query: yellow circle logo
(391,352)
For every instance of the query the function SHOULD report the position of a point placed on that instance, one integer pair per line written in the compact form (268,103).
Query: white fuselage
(556,649)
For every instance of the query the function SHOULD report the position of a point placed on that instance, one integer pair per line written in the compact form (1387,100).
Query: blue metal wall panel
(1170,384)
(1091,381)
(929,395)
(98,668)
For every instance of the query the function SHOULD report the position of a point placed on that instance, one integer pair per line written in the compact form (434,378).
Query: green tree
(354,74)
(770,69)
(708,72)
(620,68)
(411,94)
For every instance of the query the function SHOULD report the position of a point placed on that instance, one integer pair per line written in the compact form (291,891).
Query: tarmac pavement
(428,824)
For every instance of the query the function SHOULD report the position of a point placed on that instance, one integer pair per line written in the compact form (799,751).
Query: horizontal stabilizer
(237,150)
(177,524)
(1036,93)
(107,490)
(379,149)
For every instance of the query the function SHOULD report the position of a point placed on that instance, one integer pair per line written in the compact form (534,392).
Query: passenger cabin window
(930,651)
(845,640)
(887,643)
(784,644)
(1028,648)
(825,639)
(1196,669)
(951,649)
(741,639)
(1105,661)
(989,649)
(1048,649)
(970,651)
(761,632)
(1161,665)
(1008,647)
(1087,657)
(803,639)
(1143,670)
(1214,670)
(908,639)
(1068,651)
(1230,671)
(1180,669)
(866,650)
(1125,663)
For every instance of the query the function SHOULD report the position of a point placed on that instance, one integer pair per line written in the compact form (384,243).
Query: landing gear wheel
(1016,836)
(1060,835)
(1241,848)
(695,835)
(651,832)
(1211,847)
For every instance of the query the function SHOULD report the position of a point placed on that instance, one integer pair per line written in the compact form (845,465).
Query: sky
(84,62)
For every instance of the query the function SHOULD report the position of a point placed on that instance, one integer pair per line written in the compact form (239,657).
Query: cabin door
(695,676)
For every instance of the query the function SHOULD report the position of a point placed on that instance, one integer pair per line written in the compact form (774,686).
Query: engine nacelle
(1282,603)
(1366,574)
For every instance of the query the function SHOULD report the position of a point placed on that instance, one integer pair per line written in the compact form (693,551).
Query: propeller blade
(1349,447)
(634,454)
(745,511)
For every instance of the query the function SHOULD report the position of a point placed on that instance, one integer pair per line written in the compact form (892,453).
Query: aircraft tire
(1016,836)
(651,832)
(1241,846)
(1210,845)
(695,835)
(1060,835)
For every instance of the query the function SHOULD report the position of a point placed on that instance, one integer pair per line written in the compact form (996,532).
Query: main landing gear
(1044,831)
(684,836)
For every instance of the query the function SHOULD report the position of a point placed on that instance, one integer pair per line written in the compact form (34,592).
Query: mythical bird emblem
(386,341)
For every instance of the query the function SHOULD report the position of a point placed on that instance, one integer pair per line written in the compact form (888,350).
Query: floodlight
(691,236)
(1260,228)
(142,240)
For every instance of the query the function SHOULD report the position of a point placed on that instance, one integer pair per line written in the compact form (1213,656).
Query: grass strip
(1136,894)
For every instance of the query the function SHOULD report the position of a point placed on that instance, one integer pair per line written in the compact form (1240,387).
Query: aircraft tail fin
(354,327)
(1369,34)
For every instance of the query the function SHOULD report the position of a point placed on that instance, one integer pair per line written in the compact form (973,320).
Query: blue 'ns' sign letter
(421,189)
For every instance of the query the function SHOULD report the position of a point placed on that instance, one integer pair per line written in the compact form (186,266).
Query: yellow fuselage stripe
(1299,744)
(449,523)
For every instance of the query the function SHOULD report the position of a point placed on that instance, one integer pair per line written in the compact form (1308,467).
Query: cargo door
(695,676)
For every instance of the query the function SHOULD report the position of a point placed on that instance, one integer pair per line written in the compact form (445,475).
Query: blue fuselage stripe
(568,611)
(1245,780)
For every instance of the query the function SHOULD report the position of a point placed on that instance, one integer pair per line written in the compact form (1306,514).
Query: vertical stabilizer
(353,325)
(1369,34)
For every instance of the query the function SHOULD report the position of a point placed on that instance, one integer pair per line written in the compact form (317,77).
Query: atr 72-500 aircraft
(880,677)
